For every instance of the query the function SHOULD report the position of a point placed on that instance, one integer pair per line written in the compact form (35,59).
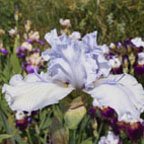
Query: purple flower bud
(4,51)
(30,68)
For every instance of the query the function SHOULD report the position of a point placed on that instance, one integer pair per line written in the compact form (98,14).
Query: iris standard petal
(122,93)
(32,93)
(78,62)
(90,40)
(52,37)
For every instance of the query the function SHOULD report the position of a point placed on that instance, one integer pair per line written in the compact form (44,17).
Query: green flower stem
(99,133)
(72,139)
(29,136)
(37,133)
(6,125)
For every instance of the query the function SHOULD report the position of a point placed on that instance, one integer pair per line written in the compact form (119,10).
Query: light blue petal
(76,62)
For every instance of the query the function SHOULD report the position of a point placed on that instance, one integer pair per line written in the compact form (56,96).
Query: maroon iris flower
(23,123)
(134,130)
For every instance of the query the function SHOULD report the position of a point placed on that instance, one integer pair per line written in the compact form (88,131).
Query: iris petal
(122,93)
(33,94)
(78,62)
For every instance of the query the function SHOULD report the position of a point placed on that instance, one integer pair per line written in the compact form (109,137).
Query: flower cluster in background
(127,56)
(30,50)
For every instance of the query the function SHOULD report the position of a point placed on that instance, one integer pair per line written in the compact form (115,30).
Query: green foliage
(4,136)
(114,19)
(6,13)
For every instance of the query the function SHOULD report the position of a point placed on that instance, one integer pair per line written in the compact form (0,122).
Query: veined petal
(90,40)
(52,37)
(78,62)
(122,93)
(31,94)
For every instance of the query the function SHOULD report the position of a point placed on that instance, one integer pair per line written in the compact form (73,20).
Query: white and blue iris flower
(76,64)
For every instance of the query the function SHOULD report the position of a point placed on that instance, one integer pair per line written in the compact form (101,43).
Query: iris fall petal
(32,93)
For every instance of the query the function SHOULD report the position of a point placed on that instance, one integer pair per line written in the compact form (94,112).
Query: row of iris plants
(68,89)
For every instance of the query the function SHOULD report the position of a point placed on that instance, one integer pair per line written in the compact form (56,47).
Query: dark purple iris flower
(139,69)
(21,52)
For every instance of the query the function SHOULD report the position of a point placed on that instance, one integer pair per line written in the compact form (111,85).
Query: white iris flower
(75,64)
